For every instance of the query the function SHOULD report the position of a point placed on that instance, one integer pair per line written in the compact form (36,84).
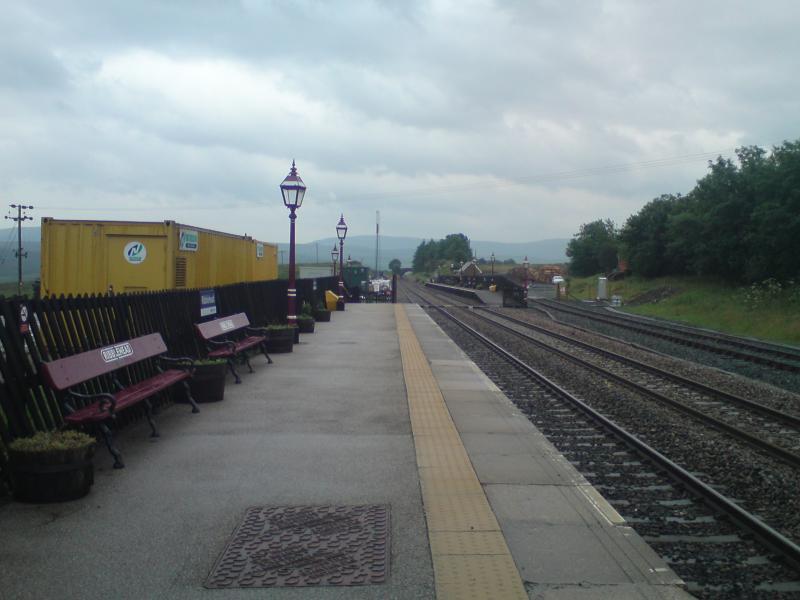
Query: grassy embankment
(763,312)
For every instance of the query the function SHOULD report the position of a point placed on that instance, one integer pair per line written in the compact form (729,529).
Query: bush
(770,291)
(45,441)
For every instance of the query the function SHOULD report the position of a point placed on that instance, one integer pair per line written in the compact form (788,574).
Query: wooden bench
(231,337)
(98,408)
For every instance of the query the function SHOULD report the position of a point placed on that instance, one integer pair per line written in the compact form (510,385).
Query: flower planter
(305,325)
(281,340)
(208,382)
(322,316)
(52,475)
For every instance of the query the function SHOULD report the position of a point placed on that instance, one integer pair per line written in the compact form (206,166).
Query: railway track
(773,431)
(713,555)
(773,356)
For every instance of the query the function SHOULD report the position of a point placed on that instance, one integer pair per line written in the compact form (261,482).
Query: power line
(516,181)
(547,177)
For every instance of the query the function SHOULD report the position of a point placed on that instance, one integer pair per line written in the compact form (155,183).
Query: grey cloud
(410,93)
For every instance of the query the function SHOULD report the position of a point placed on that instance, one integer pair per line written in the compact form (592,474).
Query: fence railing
(60,327)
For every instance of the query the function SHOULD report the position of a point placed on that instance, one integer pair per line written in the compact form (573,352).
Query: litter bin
(330,300)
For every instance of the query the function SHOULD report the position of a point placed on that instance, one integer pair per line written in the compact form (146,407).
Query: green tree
(452,249)
(594,248)
(395,265)
(645,237)
(741,222)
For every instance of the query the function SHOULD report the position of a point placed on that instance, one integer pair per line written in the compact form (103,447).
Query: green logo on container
(135,252)
(188,240)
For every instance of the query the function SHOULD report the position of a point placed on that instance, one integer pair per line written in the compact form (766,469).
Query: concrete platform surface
(566,540)
(327,424)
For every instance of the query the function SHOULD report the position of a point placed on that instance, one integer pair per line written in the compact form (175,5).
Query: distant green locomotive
(356,280)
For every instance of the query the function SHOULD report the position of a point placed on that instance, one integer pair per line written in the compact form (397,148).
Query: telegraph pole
(19,253)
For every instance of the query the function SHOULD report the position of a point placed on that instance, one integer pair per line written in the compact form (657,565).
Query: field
(763,311)
(9,289)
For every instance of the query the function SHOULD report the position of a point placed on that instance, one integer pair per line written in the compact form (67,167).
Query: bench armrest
(229,343)
(105,399)
(257,331)
(180,362)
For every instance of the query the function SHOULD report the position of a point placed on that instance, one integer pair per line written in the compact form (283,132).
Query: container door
(136,263)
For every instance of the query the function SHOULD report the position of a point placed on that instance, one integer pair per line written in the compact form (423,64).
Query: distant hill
(359,247)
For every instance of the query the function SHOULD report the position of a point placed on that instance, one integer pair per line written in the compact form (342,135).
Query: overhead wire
(464,187)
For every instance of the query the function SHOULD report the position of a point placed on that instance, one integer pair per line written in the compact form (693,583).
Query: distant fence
(60,327)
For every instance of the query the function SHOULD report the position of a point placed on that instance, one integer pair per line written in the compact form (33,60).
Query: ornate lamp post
(341,233)
(492,257)
(526,265)
(292,189)
(334,258)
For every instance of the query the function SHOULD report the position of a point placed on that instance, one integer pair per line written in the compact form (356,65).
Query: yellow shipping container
(81,257)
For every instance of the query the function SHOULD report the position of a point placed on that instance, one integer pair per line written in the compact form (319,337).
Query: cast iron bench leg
(247,362)
(118,464)
(195,408)
(233,370)
(149,413)
(264,350)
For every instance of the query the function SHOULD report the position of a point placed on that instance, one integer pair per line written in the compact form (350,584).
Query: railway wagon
(80,257)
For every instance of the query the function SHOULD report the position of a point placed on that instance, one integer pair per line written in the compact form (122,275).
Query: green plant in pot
(321,314)
(305,320)
(207,383)
(280,338)
(52,466)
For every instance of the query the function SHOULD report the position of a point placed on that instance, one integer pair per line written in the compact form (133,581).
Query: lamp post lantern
(334,258)
(293,190)
(341,233)
(526,265)
(492,257)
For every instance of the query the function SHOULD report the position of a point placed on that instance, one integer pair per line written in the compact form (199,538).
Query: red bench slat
(127,397)
(245,344)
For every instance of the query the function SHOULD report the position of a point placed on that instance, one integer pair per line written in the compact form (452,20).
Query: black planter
(208,382)
(305,325)
(52,476)
(281,340)
(322,316)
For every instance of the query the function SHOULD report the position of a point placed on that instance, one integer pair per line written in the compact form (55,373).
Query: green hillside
(767,311)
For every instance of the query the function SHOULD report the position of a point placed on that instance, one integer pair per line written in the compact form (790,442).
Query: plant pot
(305,325)
(52,475)
(322,316)
(208,382)
(281,340)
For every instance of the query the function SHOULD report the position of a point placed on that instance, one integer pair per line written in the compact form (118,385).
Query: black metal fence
(60,327)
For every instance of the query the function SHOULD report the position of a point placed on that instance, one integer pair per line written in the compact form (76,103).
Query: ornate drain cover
(294,546)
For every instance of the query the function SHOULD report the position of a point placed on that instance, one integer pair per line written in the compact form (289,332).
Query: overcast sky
(512,121)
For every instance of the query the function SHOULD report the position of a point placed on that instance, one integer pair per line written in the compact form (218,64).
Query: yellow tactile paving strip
(471,560)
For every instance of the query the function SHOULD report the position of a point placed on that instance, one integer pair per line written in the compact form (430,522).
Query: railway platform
(377,413)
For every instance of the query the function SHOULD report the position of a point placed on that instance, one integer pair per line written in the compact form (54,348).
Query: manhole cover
(294,546)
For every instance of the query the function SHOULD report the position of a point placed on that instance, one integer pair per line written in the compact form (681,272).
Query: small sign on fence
(208,303)
(24,327)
